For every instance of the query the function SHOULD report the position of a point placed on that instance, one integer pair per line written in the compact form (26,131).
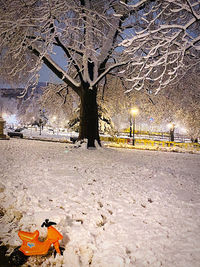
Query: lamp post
(130,126)
(172,128)
(134,112)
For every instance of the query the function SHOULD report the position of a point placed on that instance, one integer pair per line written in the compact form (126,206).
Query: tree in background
(60,103)
(145,42)
(177,104)
(64,104)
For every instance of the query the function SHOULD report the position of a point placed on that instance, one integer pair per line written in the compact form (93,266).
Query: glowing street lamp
(134,111)
(171,131)
(130,127)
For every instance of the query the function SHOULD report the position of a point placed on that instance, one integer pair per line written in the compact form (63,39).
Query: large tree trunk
(89,127)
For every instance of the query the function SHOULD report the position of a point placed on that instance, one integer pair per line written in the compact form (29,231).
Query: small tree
(153,40)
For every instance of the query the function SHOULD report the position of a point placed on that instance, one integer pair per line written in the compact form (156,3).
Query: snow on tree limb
(56,69)
(149,40)
(167,45)
(107,71)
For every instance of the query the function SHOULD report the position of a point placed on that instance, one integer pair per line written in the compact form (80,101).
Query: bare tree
(146,41)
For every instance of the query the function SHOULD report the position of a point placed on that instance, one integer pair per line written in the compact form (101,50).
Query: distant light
(4,116)
(10,119)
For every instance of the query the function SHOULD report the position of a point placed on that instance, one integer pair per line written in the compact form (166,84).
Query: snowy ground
(115,207)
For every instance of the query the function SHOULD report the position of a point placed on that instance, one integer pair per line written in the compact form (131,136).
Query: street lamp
(171,131)
(134,112)
(130,126)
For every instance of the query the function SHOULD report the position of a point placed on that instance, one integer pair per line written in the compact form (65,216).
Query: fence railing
(147,142)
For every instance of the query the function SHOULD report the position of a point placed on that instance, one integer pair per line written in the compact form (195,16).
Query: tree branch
(101,76)
(75,64)
(58,71)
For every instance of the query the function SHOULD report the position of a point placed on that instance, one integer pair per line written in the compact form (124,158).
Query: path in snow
(115,207)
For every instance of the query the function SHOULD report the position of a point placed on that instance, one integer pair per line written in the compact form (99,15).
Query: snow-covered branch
(169,35)
(56,69)
(153,40)
(109,69)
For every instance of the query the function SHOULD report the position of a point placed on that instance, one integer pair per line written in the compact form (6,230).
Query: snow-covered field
(114,207)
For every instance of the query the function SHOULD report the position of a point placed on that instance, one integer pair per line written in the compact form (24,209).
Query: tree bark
(89,127)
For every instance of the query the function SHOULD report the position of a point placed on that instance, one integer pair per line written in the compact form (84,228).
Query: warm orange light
(134,111)
(171,125)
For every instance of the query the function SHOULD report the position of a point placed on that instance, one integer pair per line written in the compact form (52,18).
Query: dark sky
(46,75)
